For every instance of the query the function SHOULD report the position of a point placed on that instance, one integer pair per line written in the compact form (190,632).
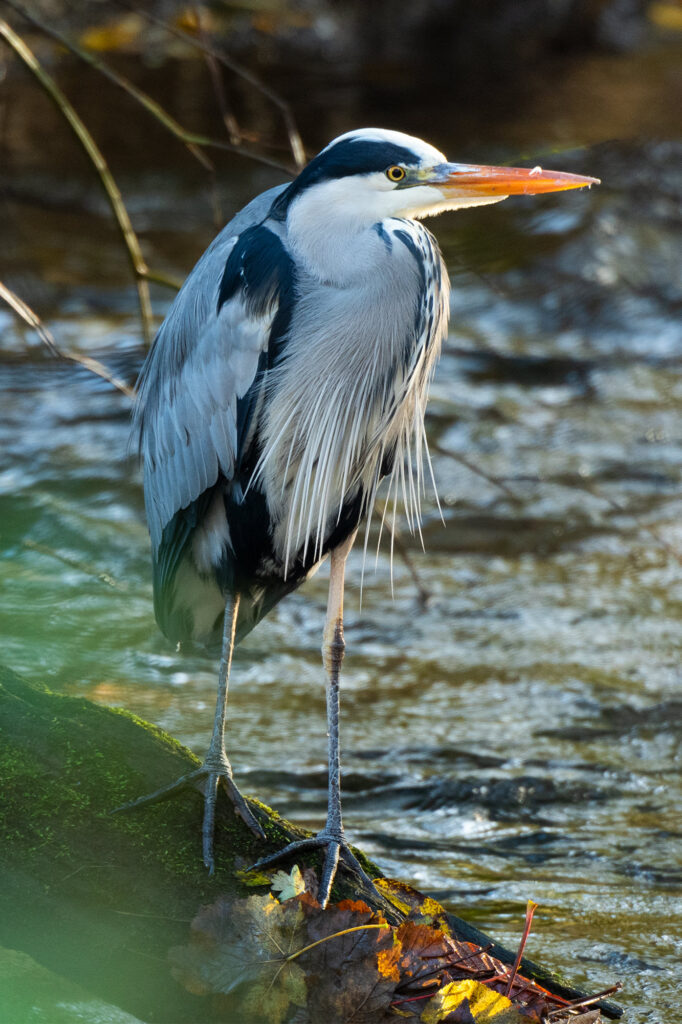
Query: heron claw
(214,775)
(337,850)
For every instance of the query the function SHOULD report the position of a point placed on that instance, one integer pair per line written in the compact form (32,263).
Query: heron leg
(332,835)
(216,768)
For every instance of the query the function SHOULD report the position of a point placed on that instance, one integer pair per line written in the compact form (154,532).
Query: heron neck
(336,245)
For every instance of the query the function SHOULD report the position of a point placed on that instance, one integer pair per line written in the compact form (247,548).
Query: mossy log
(100,898)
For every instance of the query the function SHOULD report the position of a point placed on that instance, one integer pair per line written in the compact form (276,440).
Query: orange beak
(473,180)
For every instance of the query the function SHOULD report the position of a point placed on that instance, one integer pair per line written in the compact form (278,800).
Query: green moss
(67,763)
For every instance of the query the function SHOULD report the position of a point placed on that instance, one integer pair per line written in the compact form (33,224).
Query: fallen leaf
(353,975)
(262,961)
(387,962)
(233,942)
(469,1002)
(422,909)
(423,951)
(270,998)
(289,885)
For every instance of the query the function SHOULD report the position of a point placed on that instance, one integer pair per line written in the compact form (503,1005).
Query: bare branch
(229,119)
(130,239)
(29,317)
(89,362)
(192,140)
(295,141)
(154,108)
(99,370)
(82,566)
(163,279)
(473,468)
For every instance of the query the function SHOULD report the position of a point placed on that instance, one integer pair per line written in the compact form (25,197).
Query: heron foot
(337,850)
(214,772)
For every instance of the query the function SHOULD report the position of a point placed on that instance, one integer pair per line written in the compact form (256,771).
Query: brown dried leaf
(248,940)
(345,965)
(337,918)
(351,977)
(423,951)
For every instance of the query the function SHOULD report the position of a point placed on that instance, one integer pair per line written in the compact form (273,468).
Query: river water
(511,724)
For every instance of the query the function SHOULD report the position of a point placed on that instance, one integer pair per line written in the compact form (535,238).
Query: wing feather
(198,391)
(204,360)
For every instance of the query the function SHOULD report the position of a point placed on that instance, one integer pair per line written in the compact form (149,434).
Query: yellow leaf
(387,889)
(410,901)
(116,35)
(483,1005)
(192,18)
(666,15)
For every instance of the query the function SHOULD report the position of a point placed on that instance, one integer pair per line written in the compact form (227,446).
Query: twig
(473,468)
(578,1005)
(192,140)
(470,956)
(413,999)
(74,563)
(154,917)
(295,141)
(154,108)
(33,320)
(229,120)
(593,489)
(29,317)
(164,279)
(94,366)
(401,548)
(531,907)
(130,239)
(446,966)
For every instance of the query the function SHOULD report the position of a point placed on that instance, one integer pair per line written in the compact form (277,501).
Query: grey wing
(203,362)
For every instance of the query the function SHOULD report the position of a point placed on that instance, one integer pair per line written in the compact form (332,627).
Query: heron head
(372,173)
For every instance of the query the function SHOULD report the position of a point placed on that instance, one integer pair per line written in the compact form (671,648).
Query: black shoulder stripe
(410,244)
(384,236)
(261,267)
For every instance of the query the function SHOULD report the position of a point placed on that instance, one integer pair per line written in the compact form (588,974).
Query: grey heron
(289,378)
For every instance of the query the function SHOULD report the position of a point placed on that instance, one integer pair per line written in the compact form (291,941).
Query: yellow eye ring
(395,173)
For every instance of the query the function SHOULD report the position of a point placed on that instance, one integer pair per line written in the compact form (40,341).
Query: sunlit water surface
(516,734)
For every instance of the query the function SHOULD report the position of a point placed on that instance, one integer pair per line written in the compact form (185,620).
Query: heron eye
(395,173)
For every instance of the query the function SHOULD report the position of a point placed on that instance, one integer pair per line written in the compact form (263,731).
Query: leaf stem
(579,1003)
(346,931)
(531,907)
